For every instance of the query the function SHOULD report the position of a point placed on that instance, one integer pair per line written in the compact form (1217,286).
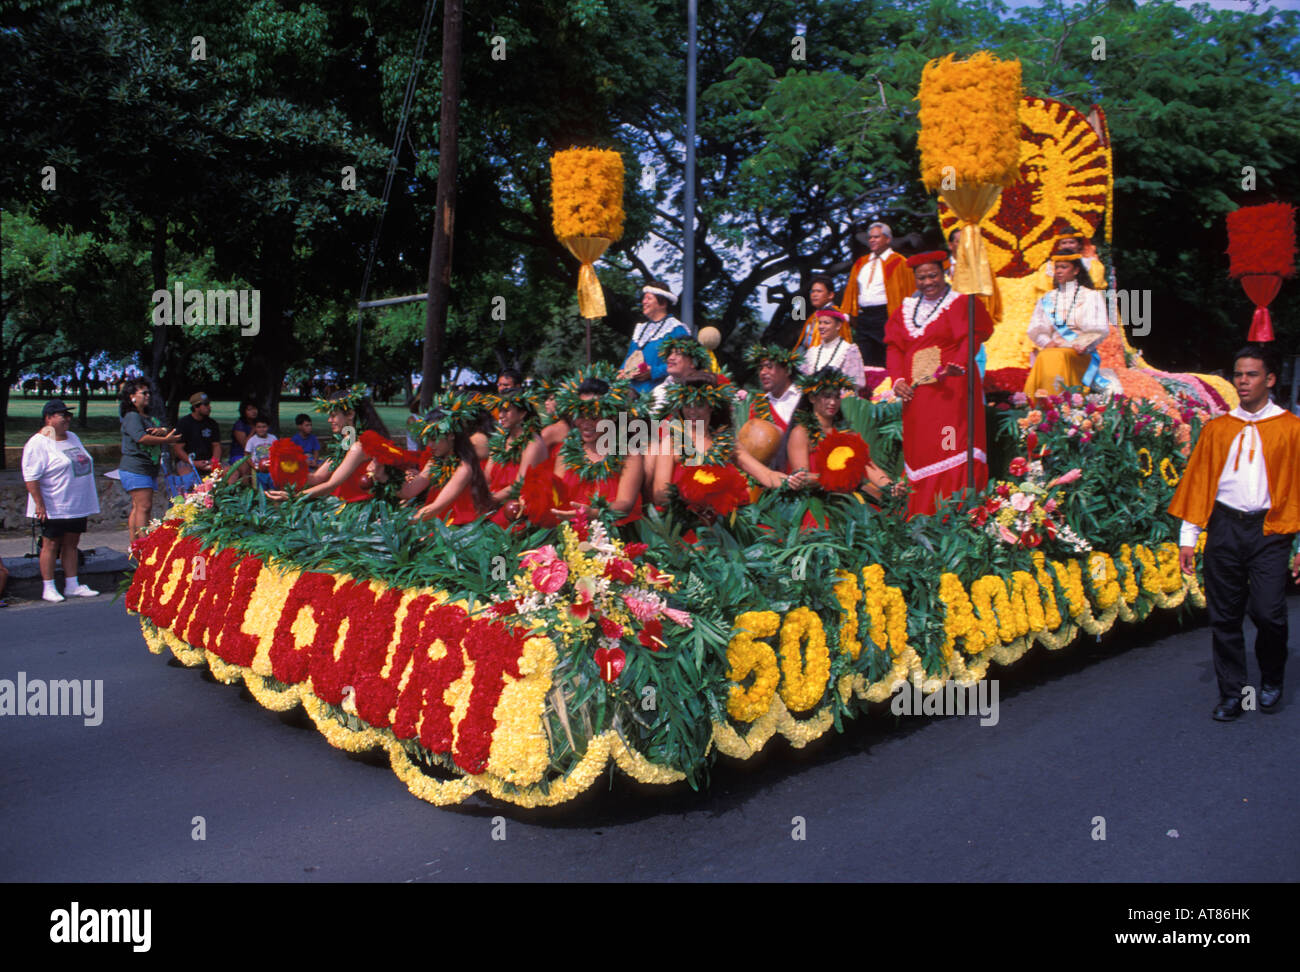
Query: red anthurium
(610,661)
(979,516)
(655,578)
(1030,538)
(611,628)
(652,634)
(620,571)
(1003,490)
(1018,466)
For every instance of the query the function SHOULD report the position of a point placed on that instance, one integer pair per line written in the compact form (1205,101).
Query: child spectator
(304,439)
(258,448)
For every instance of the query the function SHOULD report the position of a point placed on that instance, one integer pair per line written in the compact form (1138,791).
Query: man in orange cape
(1242,486)
(878,282)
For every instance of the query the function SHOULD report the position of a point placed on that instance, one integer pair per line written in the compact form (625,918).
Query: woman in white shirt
(60,478)
(833,351)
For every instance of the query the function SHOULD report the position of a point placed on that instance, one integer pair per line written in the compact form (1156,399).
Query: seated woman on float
(451,485)
(821,443)
(591,461)
(352,471)
(698,431)
(515,448)
(1067,326)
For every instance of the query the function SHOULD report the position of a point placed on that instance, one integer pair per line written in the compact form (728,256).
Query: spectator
(243,428)
(142,442)
(305,440)
(258,449)
(60,478)
(508,379)
(200,437)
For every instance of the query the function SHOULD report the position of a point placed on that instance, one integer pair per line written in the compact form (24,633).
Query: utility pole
(439,286)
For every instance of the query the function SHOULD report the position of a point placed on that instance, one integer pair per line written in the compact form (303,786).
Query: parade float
(521,664)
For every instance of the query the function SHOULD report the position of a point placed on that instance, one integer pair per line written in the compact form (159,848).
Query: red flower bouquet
(717,488)
(288,464)
(841,459)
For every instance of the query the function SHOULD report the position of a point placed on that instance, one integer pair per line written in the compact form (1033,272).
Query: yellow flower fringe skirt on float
(793,674)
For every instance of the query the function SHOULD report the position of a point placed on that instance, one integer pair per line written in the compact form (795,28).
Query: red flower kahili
(388,453)
(288,464)
(717,488)
(841,460)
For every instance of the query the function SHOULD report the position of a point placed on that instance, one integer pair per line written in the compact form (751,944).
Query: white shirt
(871,280)
(259,446)
(1246,487)
(784,405)
(66,474)
(660,392)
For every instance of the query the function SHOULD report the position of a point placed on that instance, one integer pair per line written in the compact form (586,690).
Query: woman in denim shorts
(142,440)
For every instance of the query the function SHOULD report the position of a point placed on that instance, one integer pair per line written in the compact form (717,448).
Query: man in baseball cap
(200,436)
(55,406)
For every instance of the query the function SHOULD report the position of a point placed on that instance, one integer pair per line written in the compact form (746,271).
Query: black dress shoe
(1269,696)
(1227,710)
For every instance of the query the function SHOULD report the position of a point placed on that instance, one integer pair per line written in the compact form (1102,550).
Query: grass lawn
(105,426)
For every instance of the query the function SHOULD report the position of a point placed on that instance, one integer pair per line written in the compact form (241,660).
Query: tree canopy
(230,166)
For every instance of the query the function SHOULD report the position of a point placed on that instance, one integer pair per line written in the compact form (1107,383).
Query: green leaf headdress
(756,354)
(344,400)
(719,393)
(450,412)
(688,346)
(618,399)
(827,379)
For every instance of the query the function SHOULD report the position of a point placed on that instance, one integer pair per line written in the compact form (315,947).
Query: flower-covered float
(522,663)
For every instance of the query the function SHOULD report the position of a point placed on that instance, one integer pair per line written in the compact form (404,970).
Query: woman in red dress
(349,473)
(818,416)
(591,461)
(927,353)
(516,447)
(452,482)
(699,433)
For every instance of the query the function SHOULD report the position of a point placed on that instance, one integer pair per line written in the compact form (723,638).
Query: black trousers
(1245,571)
(869,334)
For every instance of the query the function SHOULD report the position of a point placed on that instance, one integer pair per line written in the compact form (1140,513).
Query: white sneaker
(81,590)
(54,597)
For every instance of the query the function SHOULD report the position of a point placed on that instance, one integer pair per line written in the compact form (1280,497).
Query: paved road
(1119,730)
